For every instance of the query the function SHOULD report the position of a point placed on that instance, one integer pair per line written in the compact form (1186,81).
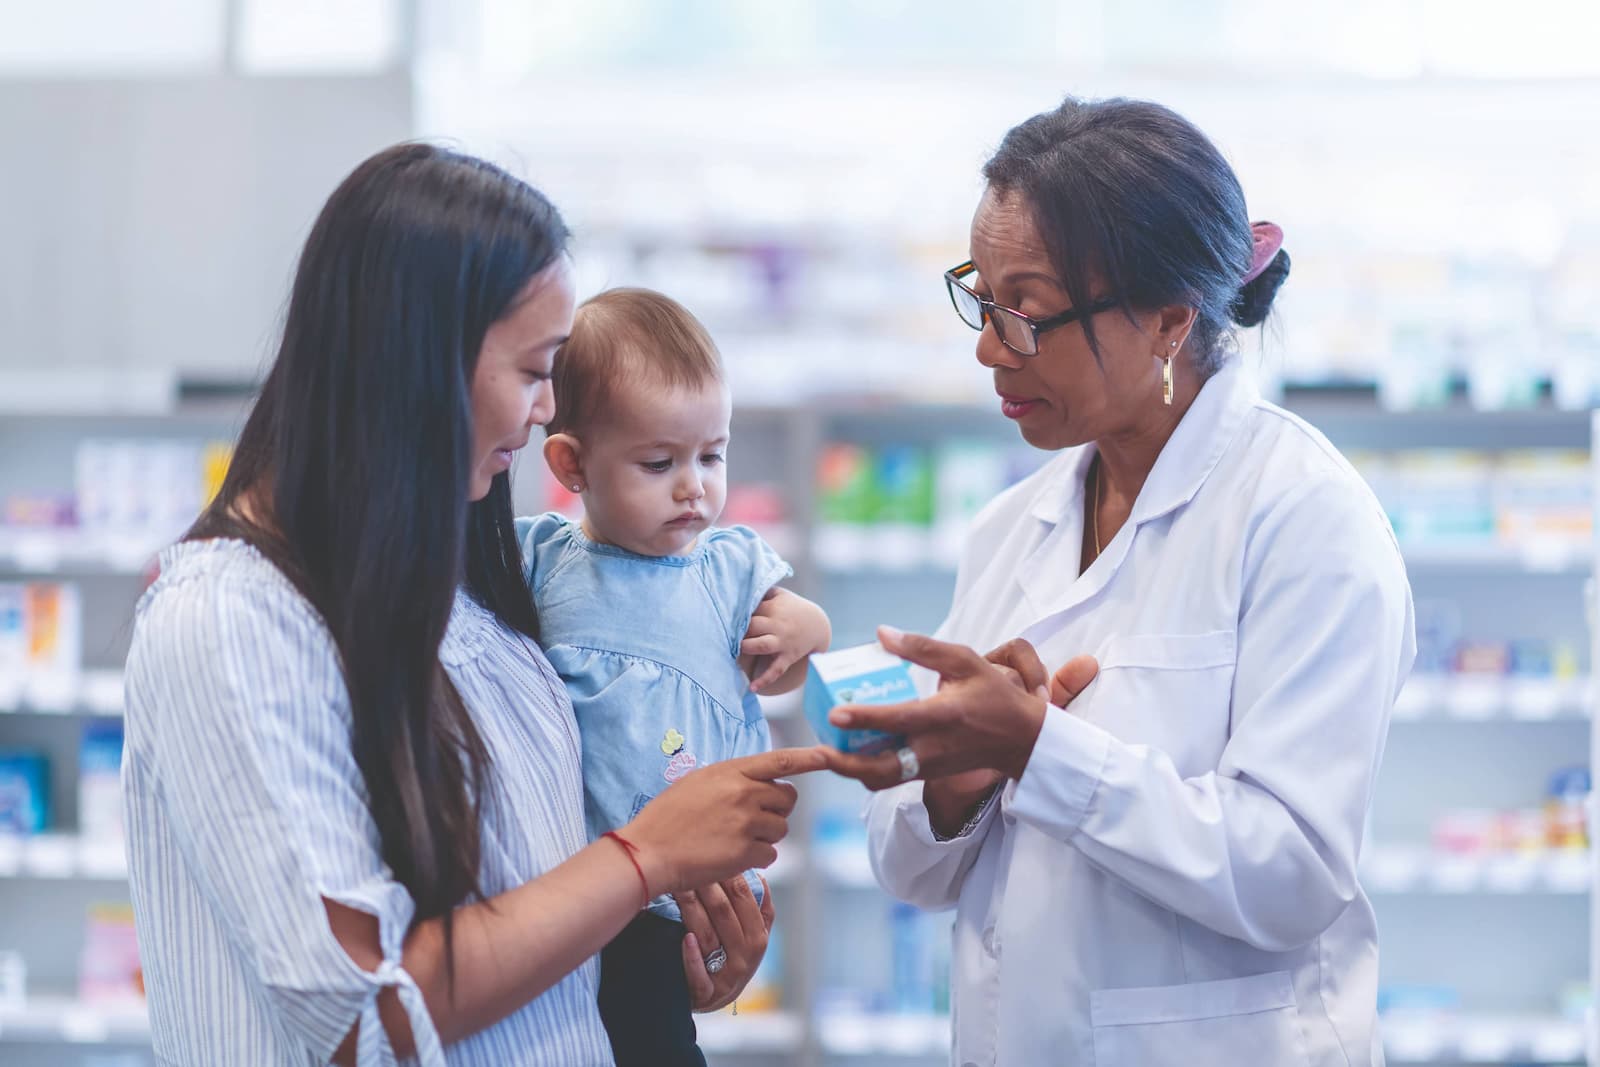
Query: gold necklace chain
(1094,507)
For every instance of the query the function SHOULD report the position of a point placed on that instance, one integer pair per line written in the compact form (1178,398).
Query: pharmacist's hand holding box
(845,677)
(985,716)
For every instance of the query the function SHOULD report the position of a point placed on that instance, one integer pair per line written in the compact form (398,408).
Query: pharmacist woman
(1163,872)
(354,814)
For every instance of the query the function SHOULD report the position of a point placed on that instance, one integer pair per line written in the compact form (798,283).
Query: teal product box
(24,792)
(864,674)
(100,782)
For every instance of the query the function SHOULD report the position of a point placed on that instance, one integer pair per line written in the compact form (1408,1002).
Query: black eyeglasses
(1016,331)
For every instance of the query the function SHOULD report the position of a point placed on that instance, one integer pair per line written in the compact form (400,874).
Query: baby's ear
(564,455)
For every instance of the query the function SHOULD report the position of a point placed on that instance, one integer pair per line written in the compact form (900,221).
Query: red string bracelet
(630,849)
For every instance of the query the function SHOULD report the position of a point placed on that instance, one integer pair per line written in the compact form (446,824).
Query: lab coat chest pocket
(1171,692)
(1238,1020)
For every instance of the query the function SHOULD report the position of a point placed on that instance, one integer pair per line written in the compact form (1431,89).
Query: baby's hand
(785,629)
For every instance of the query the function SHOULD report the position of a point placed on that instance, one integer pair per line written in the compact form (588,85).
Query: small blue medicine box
(865,674)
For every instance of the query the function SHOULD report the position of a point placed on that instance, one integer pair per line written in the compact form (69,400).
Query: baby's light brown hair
(625,337)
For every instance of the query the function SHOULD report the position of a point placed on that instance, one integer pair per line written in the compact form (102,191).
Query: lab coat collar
(1195,447)
(1187,459)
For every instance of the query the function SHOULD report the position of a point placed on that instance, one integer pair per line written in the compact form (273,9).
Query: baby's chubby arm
(785,629)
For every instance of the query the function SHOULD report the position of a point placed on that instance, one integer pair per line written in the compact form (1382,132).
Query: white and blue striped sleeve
(249,735)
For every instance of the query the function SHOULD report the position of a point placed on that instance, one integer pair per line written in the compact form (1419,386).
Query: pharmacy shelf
(1456,698)
(67,856)
(1452,1038)
(775,1032)
(1385,869)
(845,868)
(50,1019)
(1553,557)
(844,549)
(62,856)
(1544,426)
(1397,869)
(99,694)
(847,1033)
(68,1020)
(1454,425)
(1432,1039)
(92,693)
(1486,698)
(48,551)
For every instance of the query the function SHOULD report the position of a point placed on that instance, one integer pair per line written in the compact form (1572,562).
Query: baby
(655,618)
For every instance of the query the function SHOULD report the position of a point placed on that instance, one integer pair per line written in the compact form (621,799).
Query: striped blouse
(244,808)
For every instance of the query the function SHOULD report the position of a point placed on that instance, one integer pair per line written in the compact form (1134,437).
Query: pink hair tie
(1267,238)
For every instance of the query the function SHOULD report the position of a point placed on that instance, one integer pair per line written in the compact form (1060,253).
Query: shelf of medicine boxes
(43,416)
(161,409)
(53,1019)
(98,693)
(924,557)
(50,856)
(1421,1040)
(1352,422)
(1441,1038)
(1445,1038)
(43,551)
(847,549)
(1386,869)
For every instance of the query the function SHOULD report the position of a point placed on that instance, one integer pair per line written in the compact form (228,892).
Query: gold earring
(1166,380)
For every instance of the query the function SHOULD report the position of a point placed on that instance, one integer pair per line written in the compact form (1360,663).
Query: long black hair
(1133,193)
(356,462)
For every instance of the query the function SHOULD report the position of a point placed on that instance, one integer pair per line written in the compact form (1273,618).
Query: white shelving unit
(51,1019)
(73,552)
(1422,1040)
(62,857)
(878,1038)
(904,575)
(751,1033)
(93,693)
(1593,605)
(866,550)
(1469,698)
(1384,870)
(1458,741)
(49,883)
(1483,1039)
(1400,869)
(881,1036)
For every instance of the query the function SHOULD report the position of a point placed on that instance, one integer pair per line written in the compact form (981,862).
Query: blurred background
(800,175)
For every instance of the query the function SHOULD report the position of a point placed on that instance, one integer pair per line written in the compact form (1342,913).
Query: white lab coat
(1172,881)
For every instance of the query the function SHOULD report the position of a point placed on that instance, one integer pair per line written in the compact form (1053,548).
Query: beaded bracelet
(973,820)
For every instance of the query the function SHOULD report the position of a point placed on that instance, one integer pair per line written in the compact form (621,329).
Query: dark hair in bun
(1132,195)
